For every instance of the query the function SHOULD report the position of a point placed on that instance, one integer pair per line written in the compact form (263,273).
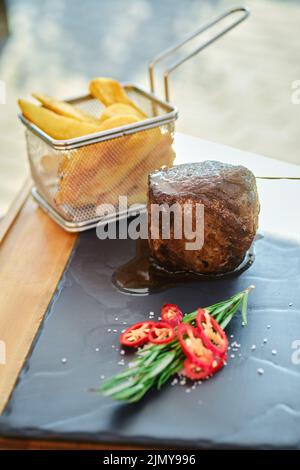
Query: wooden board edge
(33,253)
(8,443)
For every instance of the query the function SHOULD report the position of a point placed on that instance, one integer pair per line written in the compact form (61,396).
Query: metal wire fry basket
(74,178)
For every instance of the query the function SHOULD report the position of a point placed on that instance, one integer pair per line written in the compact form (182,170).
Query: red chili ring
(171,314)
(155,339)
(200,319)
(124,338)
(203,361)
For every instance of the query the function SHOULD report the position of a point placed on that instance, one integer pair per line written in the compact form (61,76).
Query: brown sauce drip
(142,275)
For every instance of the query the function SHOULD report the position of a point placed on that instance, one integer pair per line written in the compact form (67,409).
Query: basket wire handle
(245,13)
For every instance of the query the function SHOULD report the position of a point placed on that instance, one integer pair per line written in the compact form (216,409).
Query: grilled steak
(231,207)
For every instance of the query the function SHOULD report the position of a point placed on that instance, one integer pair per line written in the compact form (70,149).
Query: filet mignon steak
(231,207)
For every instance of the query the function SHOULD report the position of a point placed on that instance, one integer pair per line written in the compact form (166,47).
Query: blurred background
(237,92)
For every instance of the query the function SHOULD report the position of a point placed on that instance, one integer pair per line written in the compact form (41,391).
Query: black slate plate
(237,408)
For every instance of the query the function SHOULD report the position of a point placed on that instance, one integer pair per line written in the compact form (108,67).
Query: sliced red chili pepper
(137,334)
(161,333)
(193,371)
(211,333)
(171,314)
(217,364)
(193,346)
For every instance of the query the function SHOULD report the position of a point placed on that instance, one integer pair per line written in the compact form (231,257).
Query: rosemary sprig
(155,364)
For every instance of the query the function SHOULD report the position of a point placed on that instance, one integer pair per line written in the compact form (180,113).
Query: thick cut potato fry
(158,156)
(86,177)
(110,91)
(118,109)
(99,172)
(135,184)
(116,154)
(65,109)
(118,121)
(58,127)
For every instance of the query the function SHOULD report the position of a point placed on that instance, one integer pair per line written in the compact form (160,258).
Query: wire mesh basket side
(76,182)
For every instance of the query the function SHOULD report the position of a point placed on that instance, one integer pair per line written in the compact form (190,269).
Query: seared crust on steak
(231,208)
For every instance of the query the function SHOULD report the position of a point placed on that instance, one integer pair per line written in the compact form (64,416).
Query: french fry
(116,154)
(100,172)
(118,109)
(58,127)
(50,164)
(118,121)
(65,109)
(158,156)
(135,184)
(109,91)
(87,177)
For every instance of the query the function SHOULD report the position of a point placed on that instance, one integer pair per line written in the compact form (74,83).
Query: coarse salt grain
(253,347)
(260,371)
(274,352)
(64,360)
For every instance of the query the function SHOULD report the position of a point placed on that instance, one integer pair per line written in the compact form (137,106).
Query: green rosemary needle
(155,364)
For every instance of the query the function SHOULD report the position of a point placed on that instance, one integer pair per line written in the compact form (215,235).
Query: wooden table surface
(35,250)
